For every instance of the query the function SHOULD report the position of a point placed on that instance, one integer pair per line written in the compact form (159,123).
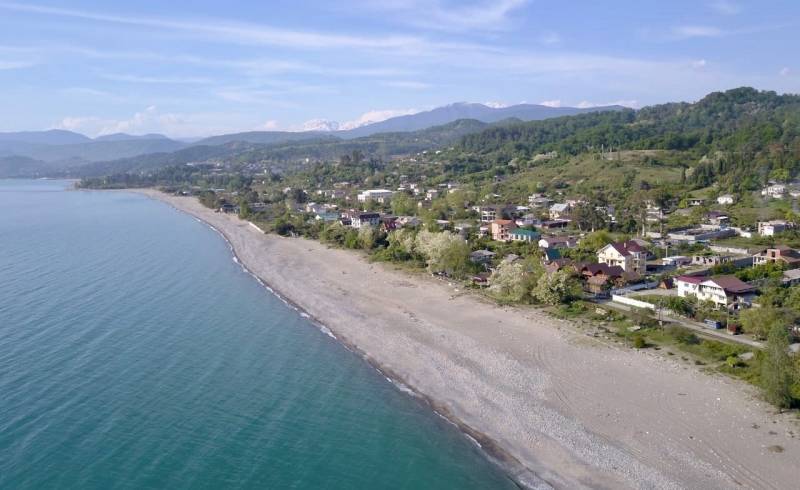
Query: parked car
(712,324)
(734,329)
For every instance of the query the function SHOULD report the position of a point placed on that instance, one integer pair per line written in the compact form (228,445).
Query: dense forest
(740,137)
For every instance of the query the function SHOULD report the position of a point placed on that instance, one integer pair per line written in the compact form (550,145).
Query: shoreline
(578,451)
(490,449)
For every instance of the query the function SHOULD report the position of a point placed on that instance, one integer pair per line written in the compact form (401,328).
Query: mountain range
(36,153)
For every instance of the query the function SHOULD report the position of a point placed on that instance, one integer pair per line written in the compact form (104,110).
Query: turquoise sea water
(134,353)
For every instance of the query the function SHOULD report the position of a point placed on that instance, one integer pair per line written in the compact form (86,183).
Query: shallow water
(134,353)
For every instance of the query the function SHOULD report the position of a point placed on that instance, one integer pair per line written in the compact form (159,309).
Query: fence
(632,302)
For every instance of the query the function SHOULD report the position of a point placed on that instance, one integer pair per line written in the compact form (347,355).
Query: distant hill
(263,137)
(462,110)
(130,137)
(16,166)
(50,137)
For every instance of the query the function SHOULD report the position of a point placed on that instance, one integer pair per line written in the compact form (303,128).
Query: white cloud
(496,104)
(699,64)
(550,38)
(551,103)
(15,65)
(489,15)
(320,125)
(155,80)
(726,7)
(785,71)
(693,31)
(407,84)
(376,116)
(151,120)
(271,125)
(258,34)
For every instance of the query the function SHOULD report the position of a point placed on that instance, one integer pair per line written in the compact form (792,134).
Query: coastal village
(704,274)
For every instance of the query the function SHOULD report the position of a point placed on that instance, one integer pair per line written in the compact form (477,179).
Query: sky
(191,69)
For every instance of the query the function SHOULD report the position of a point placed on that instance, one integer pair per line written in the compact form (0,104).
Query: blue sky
(207,67)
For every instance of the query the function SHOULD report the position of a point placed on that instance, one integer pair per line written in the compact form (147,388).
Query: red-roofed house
(629,255)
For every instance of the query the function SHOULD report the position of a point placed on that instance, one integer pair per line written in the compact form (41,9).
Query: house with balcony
(377,195)
(629,255)
(501,229)
(724,291)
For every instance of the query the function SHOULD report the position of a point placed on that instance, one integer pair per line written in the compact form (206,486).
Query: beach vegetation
(776,368)
(556,288)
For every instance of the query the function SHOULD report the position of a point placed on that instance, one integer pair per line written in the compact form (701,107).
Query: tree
(558,287)
(776,368)
(402,204)
(509,282)
(760,321)
(444,252)
(366,237)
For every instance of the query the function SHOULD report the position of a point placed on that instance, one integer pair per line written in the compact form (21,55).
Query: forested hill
(734,136)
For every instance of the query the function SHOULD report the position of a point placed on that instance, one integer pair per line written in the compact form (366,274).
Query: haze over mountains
(58,151)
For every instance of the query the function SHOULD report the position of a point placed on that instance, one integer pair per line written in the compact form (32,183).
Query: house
(687,285)
(710,260)
(389,223)
(695,201)
(781,254)
(717,218)
(377,195)
(228,208)
(770,228)
(501,229)
(481,256)
(359,219)
(527,220)
(601,277)
(791,277)
(557,265)
(431,194)
(774,191)
(539,201)
(629,255)
(557,242)
(524,235)
(725,199)
(327,216)
(676,261)
(550,254)
(554,224)
(559,210)
(408,221)
(723,291)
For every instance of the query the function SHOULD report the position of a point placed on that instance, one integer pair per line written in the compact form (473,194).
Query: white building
(559,210)
(725,199)
(770,228)
(378,195)
(723,291)
(630,256)
(774,191)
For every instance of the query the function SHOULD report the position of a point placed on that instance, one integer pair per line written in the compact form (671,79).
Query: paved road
(698,327)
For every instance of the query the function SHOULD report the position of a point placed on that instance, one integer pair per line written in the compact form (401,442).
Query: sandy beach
(560,409)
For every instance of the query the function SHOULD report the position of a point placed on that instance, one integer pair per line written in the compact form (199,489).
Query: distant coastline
(568,452)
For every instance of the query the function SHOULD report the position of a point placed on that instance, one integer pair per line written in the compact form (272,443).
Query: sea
(136,353)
